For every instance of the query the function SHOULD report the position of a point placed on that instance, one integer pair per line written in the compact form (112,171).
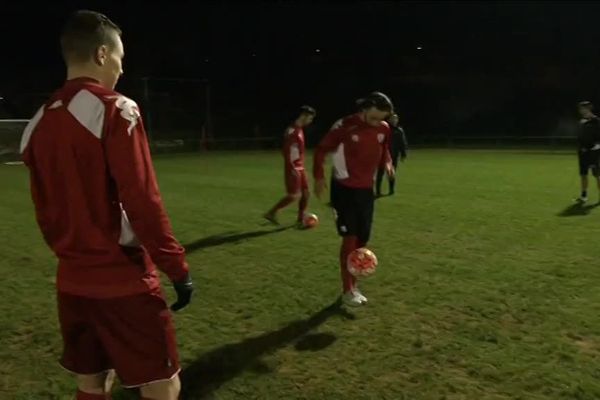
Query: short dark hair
(84,32)
(378,100)
(586,104)
(306,110)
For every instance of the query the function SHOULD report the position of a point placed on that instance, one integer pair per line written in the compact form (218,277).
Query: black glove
(184,289)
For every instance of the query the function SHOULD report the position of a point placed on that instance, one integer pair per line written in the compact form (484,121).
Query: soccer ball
(310,220)
(362,262)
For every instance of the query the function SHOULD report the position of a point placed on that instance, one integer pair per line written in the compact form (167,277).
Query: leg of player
(83,352)
(378,180)
(163,390)
(392,179)
(303,204)
(364,214)
(598,184)
(584,167)
(346,218)
(595,167)
(93,387)
(293,186)
(349,244)
(584,187)
(356,291)
(271,215)
(304,197)
(392,182)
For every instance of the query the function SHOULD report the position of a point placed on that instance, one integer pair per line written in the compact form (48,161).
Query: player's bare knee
(162,390)
(294,196)
(94,384)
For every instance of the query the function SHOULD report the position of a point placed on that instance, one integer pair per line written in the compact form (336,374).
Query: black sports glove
(184,289)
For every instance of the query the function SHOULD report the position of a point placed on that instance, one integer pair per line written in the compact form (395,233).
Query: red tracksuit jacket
(96,197)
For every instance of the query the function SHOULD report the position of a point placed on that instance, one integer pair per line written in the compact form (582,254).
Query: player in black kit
(588,142)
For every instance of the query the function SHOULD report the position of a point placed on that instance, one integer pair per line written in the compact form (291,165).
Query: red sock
(302,206)
(349,244)
(89,396)
(284,202)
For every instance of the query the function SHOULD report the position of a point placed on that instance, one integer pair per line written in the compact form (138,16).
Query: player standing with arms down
(360,144)
(296,183)
(588,141)
(99,208)
(398,147)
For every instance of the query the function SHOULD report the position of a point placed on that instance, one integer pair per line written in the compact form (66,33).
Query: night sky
(429,56)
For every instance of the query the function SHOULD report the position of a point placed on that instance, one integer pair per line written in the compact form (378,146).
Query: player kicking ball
(296,183)
(99,208)
(588,141)
(360,144)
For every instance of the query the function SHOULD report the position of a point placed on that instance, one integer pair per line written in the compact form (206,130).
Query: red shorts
(133,335)
(295,181)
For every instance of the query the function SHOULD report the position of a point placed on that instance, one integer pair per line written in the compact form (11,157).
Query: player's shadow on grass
(204,376)
(229,237)
(578,209)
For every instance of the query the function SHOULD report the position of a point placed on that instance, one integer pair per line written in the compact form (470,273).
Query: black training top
(589,134)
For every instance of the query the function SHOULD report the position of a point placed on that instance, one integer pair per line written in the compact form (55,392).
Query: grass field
(488,286)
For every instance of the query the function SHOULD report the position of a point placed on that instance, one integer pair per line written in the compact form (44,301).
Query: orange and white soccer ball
(310,220)
(362,262)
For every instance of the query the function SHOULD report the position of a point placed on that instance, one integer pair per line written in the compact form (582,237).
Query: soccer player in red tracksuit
(296,183)
(360,144)
(99,208)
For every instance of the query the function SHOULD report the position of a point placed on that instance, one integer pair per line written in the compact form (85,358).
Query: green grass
(483,291)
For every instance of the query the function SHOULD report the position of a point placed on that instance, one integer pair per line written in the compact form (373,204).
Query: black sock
(584,193)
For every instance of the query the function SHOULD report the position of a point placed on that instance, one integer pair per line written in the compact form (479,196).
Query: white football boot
(352,299)
(361,297)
